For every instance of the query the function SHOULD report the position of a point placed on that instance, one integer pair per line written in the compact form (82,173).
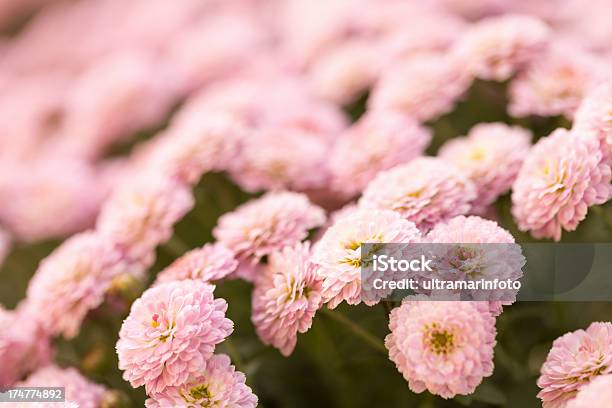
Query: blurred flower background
(207,170)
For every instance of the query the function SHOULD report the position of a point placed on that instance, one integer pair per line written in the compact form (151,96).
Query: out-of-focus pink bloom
(378,141)
(72,281)
(141,213)
(23,346)
(5,245)
(556,82)
(562,176)
(208,263)
(79,391)
(425,86)
(216,384)
(589,25)
(471,9)
(338,252)
(597,393)
(286,297)
(265,225)
(172,329)
(445,347)
(425,191)
(491,156)
(497,47)
(575,359)
(594,118)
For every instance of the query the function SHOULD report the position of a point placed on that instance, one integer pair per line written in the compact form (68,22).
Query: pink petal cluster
(598,393)
(338,252)
(576,358)
(209,263)
(72,281)
(445,347)
(267,224)
(425,191)
(79,390)
(491,156)
(216,384)
(495,48)
(424,86)
(378,141)
(286,297)
(562,176)
(594,117)
(172,329)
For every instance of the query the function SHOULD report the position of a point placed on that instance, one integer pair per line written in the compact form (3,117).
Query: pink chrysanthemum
(497,47)
(209,263)
(594,117)
(424,86)
(5,245)
(78,389)
(425,191)
(598,393)
(378,141)
(562,176)
(72,281)
(286,297)
(216,384)
(169,334)
(574,360)
(491,155)
(338,253)
(445,347)
(267,224)
(23,346)
(141,214)
(555,83)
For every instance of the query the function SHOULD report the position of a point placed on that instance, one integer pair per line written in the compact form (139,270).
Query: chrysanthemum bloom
(497,47)
(491,156)
(378,141)
(445,347)
(480,261)
(424,86)
(279,158)
(575,359)
(208,263)
(267,224)
(338,253)
(78,389)
(5,245)
(216,384)
(141,214)
(598,393)
(425,191)
(594,117)
(286,297)
(23,346)
(562,176)
(72,281)
(169,334)
(554,84)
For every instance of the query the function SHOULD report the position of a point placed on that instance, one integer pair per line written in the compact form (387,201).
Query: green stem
(366,336)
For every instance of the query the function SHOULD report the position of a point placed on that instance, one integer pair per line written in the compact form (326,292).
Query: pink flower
(78,389)
(491,156)
(72,281)
(425,86)
(286,297)
(497,47)
(445,347)
(597,393)
(575,359)
(562,176)
(209,263)
(5,245)
(425,191)
(338,253)
(170,332)
(555,84)
(378,141)
(216,384)
(141,213)
(265,225)
(594,117)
